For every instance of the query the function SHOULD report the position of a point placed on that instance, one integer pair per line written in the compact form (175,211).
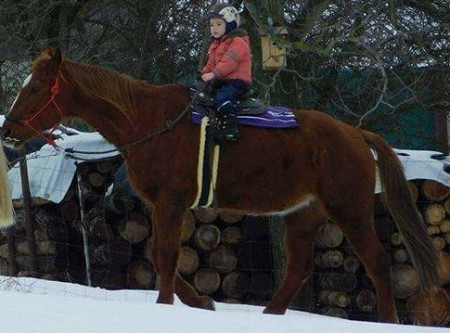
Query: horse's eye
(34,90)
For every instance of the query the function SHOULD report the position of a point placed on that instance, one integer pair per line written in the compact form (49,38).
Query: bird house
(274,48)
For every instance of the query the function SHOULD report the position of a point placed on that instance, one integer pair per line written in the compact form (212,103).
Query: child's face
(218,27)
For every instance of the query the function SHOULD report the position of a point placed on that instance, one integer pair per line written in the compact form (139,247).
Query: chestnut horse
(324,169)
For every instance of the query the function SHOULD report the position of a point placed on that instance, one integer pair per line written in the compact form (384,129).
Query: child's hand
(208,77)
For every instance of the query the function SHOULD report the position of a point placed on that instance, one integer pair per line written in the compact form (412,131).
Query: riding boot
(227,125)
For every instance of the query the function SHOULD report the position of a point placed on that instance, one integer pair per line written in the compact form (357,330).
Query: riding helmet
(226,12)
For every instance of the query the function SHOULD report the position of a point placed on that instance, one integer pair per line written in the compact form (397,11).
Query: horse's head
(35,110)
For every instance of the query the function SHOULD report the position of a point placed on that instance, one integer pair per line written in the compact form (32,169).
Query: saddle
(203,97)
(251,111)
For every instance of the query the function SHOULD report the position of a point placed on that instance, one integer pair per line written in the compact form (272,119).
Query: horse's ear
(55,60)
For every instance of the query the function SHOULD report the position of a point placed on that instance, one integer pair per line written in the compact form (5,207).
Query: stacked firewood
(224,254)
(433,307)
(59,254)
(51,241)
(209,257)
(337,288)
(115,226)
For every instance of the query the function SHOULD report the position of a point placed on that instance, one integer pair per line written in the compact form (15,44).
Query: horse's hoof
(274,311)
(209,304)
(161,300)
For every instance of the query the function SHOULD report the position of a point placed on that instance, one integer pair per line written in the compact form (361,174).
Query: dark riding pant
(228,93)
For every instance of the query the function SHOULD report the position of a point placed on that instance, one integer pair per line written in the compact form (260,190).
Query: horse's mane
(117,90)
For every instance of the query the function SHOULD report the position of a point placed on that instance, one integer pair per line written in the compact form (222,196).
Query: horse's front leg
(184,290)
(167,221)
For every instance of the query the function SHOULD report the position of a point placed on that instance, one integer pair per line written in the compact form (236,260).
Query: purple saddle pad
(274,117)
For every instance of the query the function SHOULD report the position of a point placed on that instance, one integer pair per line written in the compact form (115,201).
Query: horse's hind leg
(361,235)
(301,228)
(189,296)
(164,257)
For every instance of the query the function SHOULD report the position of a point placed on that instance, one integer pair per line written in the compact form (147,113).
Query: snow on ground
(39,306)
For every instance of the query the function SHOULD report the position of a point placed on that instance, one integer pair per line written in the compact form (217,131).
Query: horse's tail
(6,206)
(404,212)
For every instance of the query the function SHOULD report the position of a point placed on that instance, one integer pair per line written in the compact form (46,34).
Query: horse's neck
(121,129)
(106,120)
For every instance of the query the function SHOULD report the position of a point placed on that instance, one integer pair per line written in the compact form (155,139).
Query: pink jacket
(230,58)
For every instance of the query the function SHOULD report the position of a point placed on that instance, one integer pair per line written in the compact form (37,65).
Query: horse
(322,170)
(6,205)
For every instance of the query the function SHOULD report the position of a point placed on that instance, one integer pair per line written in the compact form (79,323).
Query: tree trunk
(207,237)
(230,216)
(334,298)
(439,243)
(433,230)
(329,236)
(444,267)
(206,280)
(434,191)
(430,308)
(401,255)
(105,166)
(223,259)
(366,300)
(232,236)
(329,259)
(134,228)
(396,239)
(96,180)
(120,202)
(205,215)
(405,281)
(188,261)
(434,214)
(235,285)
(351,264)
(141,275)
(444,227)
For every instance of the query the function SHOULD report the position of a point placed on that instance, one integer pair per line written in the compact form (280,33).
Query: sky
(38,306)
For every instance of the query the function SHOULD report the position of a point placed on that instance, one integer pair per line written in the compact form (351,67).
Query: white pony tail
(6,206)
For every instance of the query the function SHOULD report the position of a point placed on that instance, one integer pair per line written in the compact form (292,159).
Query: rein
(168,126)
(27,122)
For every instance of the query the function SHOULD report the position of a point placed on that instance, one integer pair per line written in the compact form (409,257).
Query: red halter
(27,122)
